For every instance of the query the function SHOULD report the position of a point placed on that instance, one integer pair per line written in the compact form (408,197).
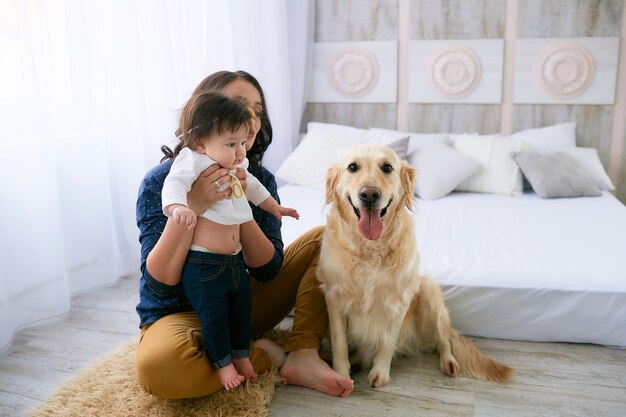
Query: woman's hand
(204,191)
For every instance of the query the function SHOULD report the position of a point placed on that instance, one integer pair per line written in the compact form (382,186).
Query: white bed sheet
(517,268)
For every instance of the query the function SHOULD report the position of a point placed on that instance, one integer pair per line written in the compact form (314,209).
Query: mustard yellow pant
(171,362)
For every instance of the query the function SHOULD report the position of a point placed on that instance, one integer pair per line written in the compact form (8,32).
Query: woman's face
(243,90)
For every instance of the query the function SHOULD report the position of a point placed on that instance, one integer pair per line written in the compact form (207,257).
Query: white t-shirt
(188,165)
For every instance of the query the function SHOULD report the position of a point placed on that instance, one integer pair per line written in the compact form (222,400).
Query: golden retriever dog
(377,302)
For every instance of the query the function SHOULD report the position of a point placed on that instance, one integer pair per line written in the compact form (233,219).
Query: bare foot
(304,367)
(275,352)
(229,377)
(244,366)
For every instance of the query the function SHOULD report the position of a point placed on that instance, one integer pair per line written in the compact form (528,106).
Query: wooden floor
(551,379)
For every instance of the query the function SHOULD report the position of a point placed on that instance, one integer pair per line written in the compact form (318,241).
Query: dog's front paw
(377,378)
(449,366)
(342,367)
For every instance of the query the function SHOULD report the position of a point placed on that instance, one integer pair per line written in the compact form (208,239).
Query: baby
(213,130)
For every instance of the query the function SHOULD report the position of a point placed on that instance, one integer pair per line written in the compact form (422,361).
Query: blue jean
(217,287)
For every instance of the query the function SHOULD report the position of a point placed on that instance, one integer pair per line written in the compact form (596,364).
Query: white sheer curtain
(278,54)
(89,90)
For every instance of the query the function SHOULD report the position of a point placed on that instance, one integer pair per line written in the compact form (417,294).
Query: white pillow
(398,146)
(550,138)
(499,173)
(440,169)
(589,161)
(349,132)
(455,136)
(415,139)
(308,164)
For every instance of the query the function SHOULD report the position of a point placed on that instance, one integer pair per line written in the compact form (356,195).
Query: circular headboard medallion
(453,72)
(352,72)
(564,70)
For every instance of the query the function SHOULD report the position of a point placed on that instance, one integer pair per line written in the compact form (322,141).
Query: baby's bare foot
(275,352)
(229,377)
(244,366)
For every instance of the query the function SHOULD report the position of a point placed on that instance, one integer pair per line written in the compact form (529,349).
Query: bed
(511,266)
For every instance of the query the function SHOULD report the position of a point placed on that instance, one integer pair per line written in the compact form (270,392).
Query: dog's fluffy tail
(475,364)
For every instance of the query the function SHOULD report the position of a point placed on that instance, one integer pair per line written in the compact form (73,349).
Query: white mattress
(518,268)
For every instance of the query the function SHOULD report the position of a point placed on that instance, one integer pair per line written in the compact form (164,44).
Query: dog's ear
(332,177)
(407,176)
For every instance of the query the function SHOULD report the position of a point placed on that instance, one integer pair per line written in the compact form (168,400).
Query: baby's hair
(207,113)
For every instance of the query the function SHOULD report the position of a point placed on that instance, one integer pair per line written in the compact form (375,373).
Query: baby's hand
(285,211)
(271,206)
(184,215)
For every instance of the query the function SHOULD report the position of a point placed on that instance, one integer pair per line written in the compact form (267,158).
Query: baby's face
(227,149)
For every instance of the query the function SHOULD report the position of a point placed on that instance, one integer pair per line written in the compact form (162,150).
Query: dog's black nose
(369,195)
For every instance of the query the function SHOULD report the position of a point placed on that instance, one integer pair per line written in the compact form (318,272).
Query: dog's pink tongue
(370,224)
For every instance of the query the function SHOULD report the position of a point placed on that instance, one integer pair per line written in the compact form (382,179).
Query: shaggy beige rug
(109,388)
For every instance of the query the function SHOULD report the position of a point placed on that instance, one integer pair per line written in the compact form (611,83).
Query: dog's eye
(352,167)
(387,168)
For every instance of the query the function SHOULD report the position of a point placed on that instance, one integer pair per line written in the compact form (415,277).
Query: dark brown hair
(207,113)
(218,81)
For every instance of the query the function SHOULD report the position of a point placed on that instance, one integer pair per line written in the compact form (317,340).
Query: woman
(170,358)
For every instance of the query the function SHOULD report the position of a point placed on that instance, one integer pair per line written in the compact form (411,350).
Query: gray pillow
(555,174)
(400,146)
